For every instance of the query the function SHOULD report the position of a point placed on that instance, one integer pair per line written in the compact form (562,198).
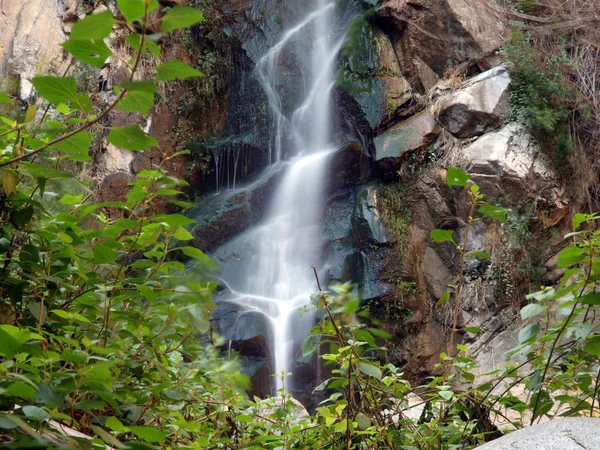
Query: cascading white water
(271,270)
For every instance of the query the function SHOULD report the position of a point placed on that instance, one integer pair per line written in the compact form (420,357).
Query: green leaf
(442,235)
(131,138)
(30,253)
(443,299)
(149,434)
(578,219)
(363,421)
(38,171)
(528,333)
(36,413)
(493,212)
(182,234)
(70,316)
(71,200)
(19,389)
(23,216)
(309,346)
(370,369)
(115,424)
(104,254)
(138,98)
(135,40)
(5,99)
(457,177)
(134,9)
(590,299)
(76,147)
(446,395)
(532,310)
(172,70)
(593,348)
(12,338)
(94,53)
(95,26)
(570,256)
(480,255)
(180,17)
(56,90)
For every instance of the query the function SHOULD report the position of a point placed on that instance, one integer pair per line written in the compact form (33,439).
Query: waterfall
(268,269)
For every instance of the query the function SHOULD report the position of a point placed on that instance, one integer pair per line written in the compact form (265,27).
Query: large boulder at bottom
(575,433)
(479,104)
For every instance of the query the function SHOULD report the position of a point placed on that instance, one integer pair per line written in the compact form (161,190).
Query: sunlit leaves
(56,90)
(94,53)
(570,256)
(135,9)
(173,70)
(138,98)
(442,235)
(130,138)
(76,147)
(93,27)
(180,17)
(457,177)
(5,99)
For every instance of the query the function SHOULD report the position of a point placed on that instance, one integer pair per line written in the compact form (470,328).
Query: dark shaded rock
(114,187)
(141,161)
(348,167)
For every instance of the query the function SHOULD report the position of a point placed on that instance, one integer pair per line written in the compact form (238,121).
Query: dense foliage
(105,332)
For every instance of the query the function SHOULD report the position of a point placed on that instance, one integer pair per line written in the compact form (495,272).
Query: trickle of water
(268,268)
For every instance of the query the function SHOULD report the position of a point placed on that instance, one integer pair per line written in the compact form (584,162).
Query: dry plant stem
(463,254)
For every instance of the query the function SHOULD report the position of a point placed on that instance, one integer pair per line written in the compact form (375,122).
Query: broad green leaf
(370,369)
(480,255)
(5,99)
(19,389)
(578,219)
(36,413)
(363,421)
(23,216)
(135,40)
(528,333)
(570,256)
(532,310)
(71,200)
(474,330)
(30,253)
(134,9)
(9,180)
(149,434)
(104,254)
(493,212)
(443,299)
(457,177)
(95,26)
(76,148)
(180,17)
(593,348)
(63,109)
(138,98)
(182,234)
(174,220)
(38,171)
(590,299)
(115,424)
(70,316)
(309,346)
(442,235)
(12,338)
(446,395)
(56,90)
(172,70)
(131,138)
(94,53)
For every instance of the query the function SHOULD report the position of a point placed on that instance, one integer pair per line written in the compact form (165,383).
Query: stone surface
(559,434)
(509,163)
(30,35)
(443,33)
(115,187)
(415,133)
(117,159)
(479,104)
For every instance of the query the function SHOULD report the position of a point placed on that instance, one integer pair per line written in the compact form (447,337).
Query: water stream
(268,269)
